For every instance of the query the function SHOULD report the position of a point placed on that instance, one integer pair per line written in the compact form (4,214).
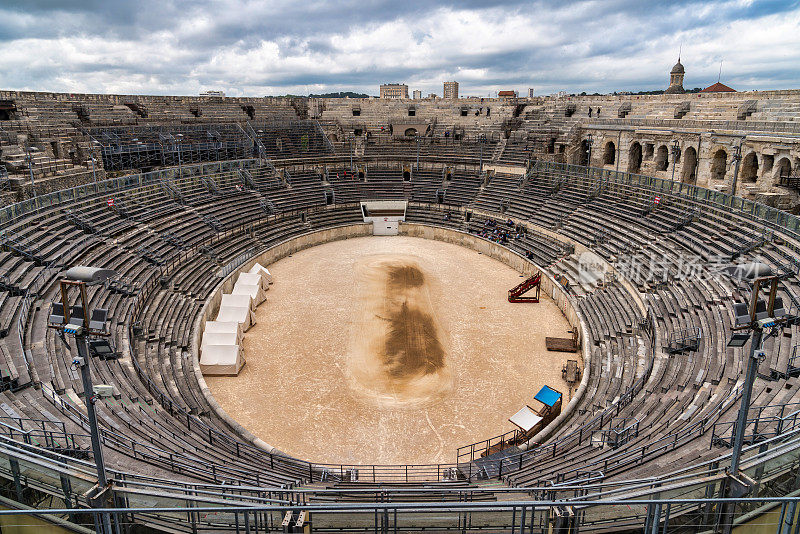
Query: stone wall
(707,127)
(705,159)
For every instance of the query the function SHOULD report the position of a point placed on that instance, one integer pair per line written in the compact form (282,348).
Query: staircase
(498,150)
(747,108)
(516,294)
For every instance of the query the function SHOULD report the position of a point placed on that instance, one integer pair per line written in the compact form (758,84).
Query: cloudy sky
(304,46)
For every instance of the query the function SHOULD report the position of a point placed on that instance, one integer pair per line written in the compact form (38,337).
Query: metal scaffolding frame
(139,147)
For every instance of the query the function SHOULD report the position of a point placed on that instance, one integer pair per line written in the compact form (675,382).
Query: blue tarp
(548,396)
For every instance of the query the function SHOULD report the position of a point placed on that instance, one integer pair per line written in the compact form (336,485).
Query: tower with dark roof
(676,79)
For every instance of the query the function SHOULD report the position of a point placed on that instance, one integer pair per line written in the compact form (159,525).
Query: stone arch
(583,153)
(782,169)
(635,157)
(410,132)
(609,153)
(750,168)
(689,174)
(719,165)
(662,158)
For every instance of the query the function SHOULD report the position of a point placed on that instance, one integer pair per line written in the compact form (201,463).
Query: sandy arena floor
(390,350)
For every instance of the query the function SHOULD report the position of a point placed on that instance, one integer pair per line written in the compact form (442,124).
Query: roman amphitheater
(314,323)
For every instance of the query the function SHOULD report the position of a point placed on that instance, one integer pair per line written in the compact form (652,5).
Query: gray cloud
(256,48)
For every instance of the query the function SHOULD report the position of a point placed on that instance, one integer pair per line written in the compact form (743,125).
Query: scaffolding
(291,139)
(143,147)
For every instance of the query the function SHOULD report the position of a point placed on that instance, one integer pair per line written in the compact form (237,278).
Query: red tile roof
(718,88)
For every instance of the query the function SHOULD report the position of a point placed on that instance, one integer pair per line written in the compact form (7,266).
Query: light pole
(82,323)
(737,157)
(94,174)
(29,161)
(750,321)
(589,143)
(676,152)
(481,142)
(756,316)
(180,165)
(416,137)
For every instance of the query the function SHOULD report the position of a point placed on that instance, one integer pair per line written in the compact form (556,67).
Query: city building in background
(450,90)
(394,90)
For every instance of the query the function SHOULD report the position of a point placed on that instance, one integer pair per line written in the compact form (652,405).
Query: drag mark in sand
(398,355)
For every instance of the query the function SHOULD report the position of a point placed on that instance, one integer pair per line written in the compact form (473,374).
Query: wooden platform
(561,344)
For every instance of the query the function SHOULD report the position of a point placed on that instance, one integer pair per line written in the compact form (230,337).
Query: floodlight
(98,319)
(102,348)
(778,310)
(739,339)
(741,314)
(56,314)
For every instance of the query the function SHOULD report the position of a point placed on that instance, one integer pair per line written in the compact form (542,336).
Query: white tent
(217,338)
(237,314)
(254,291)
(263,271)
(253,279)
(238,301)
(221,360)
(221,327)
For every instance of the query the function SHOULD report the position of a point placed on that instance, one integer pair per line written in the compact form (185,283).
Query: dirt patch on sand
(399,355)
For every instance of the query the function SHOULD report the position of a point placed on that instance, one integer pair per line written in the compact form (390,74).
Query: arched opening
(783,168)
(662,158)
(635,158)
(583,154)
(410,132)
(333,138)
(609,154)
(406,176)
(689,175)
(750,168)
(719,164)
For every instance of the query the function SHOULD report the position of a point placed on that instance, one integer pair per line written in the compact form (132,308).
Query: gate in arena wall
(385,215)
